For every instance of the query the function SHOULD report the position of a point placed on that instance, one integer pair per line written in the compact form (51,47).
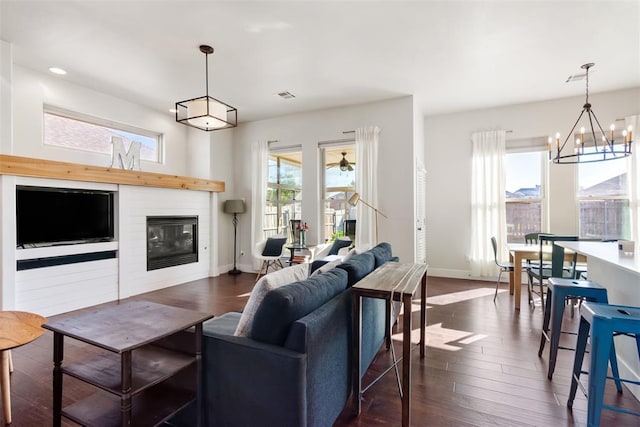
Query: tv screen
(49,216)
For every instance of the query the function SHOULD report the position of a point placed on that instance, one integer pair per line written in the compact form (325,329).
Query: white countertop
(605,251)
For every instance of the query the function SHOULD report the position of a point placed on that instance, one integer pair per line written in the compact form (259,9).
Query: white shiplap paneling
(53,290)
(135,204)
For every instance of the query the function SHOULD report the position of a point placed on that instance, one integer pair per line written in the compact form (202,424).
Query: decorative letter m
(123,159)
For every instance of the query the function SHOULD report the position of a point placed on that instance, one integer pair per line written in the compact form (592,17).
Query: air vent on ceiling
(577,77)
(286,95)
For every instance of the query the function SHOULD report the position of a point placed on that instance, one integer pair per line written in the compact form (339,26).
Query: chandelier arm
(609,143)
(571,132)
(593,132)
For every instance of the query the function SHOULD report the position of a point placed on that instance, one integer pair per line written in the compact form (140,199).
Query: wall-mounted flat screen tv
(54,216)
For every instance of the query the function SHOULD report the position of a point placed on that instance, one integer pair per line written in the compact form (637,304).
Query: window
(77,132)
(603,200)
(339,186)
(284,192)
(524,193)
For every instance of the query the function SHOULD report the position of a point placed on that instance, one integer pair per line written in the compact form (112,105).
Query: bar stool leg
(614,366)
(601,340)
(581,347)
(557,312)
(545,322)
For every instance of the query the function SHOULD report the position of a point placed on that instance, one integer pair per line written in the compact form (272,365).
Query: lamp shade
(213,117)
(353,200)
(234,206)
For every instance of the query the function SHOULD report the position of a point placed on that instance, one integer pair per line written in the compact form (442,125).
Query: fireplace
(171,240)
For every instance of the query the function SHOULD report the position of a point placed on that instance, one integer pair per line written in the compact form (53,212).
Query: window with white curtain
(524,193)
(339,180)
(284,191)
(603,199)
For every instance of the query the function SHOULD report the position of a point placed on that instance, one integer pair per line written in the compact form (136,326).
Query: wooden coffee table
(16,328)
(150,367)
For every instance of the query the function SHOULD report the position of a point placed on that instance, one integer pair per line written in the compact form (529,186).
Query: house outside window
(284,192)
(339,186)
(524,196)
(75,131)
(603,200)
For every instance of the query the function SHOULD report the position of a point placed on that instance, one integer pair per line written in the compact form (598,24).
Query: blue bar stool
(557,292)
(602,322)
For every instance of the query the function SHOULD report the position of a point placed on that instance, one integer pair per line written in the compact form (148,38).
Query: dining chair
(541,271)
(504,266)
(270,251)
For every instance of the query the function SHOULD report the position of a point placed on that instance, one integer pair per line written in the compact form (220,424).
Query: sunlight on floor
(439,337)
(460,296)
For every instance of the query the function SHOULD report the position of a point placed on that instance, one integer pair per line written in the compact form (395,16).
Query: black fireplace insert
(171,240)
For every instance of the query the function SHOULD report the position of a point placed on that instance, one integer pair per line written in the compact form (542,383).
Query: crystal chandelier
(599,146)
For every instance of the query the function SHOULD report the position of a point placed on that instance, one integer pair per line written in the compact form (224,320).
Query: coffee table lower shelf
(149,408)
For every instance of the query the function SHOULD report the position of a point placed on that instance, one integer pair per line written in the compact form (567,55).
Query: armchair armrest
(241,373)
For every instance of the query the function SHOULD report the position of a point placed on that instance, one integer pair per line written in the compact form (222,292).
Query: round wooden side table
(16,328)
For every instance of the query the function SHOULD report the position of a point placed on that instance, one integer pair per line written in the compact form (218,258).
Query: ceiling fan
(344,164)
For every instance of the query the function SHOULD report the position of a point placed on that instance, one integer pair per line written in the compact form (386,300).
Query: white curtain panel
(259,159)
(367,184)
(488,209)
(634,179)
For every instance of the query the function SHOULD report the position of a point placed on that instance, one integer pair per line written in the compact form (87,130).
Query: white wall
(187,152)
(396,156)
(448,163)
(32,91)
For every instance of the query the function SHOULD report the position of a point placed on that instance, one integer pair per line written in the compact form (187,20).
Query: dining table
(526,251)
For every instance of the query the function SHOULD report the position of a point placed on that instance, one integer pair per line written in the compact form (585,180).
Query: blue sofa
(294,369)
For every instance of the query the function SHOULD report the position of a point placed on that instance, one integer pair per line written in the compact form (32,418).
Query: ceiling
(452,56)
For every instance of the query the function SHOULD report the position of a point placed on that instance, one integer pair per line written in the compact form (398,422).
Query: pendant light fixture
(599,147)
(206,113)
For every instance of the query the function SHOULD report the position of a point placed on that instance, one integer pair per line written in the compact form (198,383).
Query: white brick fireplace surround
(58,289)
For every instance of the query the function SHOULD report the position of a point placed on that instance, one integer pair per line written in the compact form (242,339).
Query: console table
(150,369)
(392,281)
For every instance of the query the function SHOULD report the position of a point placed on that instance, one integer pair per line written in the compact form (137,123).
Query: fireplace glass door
(171,240)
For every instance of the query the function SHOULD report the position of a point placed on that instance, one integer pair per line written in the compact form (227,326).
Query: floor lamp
(234,207)
(353,201)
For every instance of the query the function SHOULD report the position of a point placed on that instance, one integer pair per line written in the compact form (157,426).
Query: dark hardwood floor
(481,366)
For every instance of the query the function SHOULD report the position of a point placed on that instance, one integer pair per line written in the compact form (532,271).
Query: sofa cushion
(381,253)
(339,244)
(265,284)
(318,268)
(358,267)
(284,305)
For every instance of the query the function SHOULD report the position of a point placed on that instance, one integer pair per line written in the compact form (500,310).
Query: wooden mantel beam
(40,168)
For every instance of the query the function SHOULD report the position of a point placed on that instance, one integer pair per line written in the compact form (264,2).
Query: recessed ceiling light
(56,70)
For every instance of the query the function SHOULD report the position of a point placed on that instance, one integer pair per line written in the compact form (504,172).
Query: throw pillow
(338,244)
(273,246)
(265,284)
(286,304)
